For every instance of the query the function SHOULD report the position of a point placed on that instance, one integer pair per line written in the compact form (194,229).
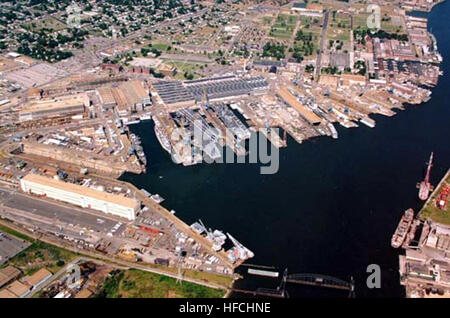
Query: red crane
(425,187)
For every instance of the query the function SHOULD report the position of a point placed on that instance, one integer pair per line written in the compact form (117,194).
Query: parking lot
(67,215)
(10,246)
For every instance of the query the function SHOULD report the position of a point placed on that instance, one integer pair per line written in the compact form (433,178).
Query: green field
(39,255)
(284,26)
(267,20)
(160,46)
(360,21)
(140,284)
(185,67)
(430,211)
(48,23)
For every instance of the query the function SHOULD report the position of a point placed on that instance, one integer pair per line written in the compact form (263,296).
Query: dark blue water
(333,205)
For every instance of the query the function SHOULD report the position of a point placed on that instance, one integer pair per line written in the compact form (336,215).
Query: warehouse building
(290,99)
(176,94)
(8,274)
(225,87)
(130,96)
(18,289)
(136,95)
(37,279)
(55,107)
(106,97)
(173,94)
(81,196)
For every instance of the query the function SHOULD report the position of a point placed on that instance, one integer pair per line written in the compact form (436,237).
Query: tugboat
(402,229)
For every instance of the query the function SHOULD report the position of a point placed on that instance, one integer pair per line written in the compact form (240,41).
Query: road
(321,46)
(55,211)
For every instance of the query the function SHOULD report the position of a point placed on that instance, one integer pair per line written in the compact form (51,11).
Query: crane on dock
(425,187)
(239,251)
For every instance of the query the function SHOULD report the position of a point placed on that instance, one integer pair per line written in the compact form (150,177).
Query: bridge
(320,281)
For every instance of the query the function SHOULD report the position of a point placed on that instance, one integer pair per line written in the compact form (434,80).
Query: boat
(260,272)
(163,139)
(368,122)
(402,228)
(145,117)
(133,122)
(333,131)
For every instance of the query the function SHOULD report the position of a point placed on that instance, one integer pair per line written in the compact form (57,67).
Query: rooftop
(18,288)
(57,102)
(37,277)
(84,191)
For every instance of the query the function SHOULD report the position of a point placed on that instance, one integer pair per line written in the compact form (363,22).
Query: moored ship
(402,229)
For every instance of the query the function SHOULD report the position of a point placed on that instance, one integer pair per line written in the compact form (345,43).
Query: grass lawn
(267,20)
(140,284)
(284,26)
(280,33)
(432,212)
(160,46)
(183,67)
(338,34)
(360,20)
(48,23)
(39,255)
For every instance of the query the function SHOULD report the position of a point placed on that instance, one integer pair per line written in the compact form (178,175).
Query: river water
(333,205)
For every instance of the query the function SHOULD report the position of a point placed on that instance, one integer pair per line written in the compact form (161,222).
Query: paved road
(321,46)
(55,211)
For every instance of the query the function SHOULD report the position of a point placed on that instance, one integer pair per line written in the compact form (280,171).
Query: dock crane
(243,252)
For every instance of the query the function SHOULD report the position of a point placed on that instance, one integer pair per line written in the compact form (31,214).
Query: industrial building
(81,196)
(17,289)
(290,99)
(173,94)
(185,94)
(37,279)
(106,97)
(224,87)
(58,106)
(130,96)
(8,274)
(136,95)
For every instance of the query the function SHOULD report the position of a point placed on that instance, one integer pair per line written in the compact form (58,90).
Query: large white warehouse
(81,196)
